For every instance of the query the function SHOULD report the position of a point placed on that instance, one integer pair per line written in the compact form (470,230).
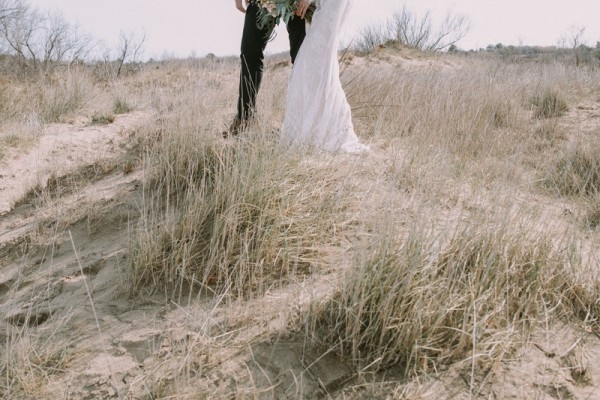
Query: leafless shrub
(548,103)
(370,38)
(407,28)
(125,58)
(576,172)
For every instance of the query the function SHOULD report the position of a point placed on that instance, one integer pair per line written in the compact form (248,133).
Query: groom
(254,42)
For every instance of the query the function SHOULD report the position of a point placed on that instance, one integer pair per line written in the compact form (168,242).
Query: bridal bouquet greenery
(273,11)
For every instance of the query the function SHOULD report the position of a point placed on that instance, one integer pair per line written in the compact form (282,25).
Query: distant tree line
(569,44)
(580,55)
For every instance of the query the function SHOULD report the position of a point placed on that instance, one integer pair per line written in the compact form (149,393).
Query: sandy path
(61,148)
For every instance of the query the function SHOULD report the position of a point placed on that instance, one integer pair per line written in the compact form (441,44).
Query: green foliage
(272,12)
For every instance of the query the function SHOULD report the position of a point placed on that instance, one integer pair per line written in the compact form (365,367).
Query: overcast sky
(184,27)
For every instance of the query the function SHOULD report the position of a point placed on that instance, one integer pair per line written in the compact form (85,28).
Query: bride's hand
(301,8)
(240,6)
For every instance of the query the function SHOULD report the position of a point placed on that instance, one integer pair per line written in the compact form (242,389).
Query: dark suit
(254,42)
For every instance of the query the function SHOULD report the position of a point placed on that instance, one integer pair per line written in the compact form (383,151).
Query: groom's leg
(254,41)
(296,28)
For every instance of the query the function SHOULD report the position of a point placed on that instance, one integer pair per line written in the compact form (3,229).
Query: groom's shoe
(236,127)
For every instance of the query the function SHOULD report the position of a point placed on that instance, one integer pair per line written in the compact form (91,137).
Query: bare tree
(5,9)
(38,41)
(574,38)
(130,49)
(8,8)
(452,29)
(63,42)
(18,28)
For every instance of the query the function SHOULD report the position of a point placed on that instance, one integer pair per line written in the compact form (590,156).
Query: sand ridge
(64,288)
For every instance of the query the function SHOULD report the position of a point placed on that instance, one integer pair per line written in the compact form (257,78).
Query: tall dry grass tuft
(576,172)
(122,106)
(29,360)
(592,217)
(473,115)
(237,216)
(46,98)
(15,100)
(425,300)
(548,103)
(66,96)
(7,110)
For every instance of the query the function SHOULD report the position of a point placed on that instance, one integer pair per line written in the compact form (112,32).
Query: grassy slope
(438,264)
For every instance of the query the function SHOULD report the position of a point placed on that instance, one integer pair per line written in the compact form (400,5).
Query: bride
(317,113)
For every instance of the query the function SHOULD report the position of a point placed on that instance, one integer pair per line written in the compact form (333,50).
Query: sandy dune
(62,257)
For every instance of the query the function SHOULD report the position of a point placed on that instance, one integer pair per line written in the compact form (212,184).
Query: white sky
(184,27)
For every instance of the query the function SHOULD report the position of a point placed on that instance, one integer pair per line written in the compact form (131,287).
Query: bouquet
(273,11)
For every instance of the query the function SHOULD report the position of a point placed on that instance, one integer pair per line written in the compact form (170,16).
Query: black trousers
(254,42)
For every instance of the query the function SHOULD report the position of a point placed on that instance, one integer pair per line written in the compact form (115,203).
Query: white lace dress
(317,113)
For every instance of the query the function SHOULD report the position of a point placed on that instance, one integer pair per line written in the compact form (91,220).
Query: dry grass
(65,97)
(548,103)
(441,236)
(122,106)
(10,104)
(592,218)
(576,171)
(102,119)
(421,300)
(30,359)
(237,216)
(60,96)
(242,218)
